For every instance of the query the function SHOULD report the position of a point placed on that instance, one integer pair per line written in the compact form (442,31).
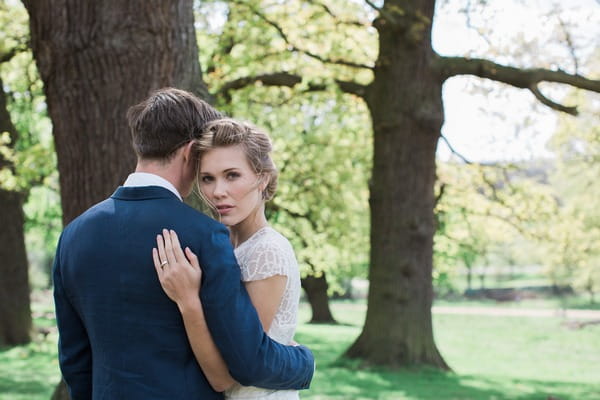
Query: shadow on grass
(28,372)
(339,379)
(28,388)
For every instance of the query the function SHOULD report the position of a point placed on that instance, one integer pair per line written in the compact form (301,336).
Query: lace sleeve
(267,259)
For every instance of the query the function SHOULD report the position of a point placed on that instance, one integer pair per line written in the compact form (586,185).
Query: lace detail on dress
(268,253)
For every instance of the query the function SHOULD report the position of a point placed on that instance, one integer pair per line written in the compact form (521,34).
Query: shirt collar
(148,179)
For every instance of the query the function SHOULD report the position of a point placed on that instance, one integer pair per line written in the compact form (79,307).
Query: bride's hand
(180,275)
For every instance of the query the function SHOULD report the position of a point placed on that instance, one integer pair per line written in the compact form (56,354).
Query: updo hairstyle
(255,142)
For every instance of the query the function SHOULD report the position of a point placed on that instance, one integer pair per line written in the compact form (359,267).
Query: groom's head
(168,119)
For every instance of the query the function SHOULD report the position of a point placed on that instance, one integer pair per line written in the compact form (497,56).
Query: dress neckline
(254,235)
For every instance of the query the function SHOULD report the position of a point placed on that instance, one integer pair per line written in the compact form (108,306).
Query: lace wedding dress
(268,253)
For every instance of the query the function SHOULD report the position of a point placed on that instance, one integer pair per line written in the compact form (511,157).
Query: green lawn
(492,358)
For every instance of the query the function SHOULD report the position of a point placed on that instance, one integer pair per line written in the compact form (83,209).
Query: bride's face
(228,181)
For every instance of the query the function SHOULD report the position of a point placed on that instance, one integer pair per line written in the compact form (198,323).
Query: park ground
(523,351)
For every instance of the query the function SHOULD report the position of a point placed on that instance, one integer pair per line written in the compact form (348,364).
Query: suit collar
(143,193)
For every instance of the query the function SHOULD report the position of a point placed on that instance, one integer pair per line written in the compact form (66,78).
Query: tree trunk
(60,392)
(15,311)
(405,101)
(96,59)
(469,277)
(316,293)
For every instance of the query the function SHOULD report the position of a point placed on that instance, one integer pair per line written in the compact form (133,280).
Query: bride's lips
(224,209)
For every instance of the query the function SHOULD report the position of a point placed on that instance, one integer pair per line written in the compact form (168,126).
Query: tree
(15,313)
(489,212)
(96,59)
(402,88)
(574,251)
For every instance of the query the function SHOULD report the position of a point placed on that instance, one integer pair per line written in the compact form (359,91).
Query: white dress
(268,253)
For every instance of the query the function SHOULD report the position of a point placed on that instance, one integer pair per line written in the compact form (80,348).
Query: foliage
(323,153)
(487,213)
(574,252)
(258,36)
(33,170)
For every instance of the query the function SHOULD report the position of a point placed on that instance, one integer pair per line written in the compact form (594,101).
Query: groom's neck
(165,170)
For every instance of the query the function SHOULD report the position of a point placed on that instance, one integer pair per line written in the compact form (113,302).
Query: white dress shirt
(147,179)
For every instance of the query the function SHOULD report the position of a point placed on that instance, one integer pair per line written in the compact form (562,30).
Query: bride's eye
(233,175)
(206,179)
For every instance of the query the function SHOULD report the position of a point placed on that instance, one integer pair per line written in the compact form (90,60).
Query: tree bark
(405,101)
(96,59)
(15,310)
(316,293)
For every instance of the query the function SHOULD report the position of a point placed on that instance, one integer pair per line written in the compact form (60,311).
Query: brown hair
(166,120)
(255,142)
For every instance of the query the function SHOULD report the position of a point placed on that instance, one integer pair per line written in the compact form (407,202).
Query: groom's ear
(189,151)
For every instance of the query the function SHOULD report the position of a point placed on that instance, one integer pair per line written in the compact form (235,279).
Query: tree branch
(6,57)
(546,101)
(287,79)
(523,78)
(295,48)
(337,19)
(453,150)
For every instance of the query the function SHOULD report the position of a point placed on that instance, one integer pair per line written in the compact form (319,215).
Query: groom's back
(138,341)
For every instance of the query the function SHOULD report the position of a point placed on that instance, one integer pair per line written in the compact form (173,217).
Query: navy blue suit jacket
(121,337)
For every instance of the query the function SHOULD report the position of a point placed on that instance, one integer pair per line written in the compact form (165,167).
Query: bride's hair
(255,142)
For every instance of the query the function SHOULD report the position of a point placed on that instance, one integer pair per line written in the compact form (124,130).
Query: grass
(492,358)
(579,301)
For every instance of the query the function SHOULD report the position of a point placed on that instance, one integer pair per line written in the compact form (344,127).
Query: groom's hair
(168,119)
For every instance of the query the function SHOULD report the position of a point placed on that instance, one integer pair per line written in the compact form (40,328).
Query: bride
(236,176)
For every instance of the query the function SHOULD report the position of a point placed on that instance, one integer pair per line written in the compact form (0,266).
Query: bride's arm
(180,280)
(266,295)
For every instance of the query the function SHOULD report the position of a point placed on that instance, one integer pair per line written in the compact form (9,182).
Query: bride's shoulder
(268,237)
(270,242)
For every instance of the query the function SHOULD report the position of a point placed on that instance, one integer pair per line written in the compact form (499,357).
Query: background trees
(19,170)
(575,244)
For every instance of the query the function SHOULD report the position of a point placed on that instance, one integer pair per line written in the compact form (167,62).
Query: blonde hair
(255,142)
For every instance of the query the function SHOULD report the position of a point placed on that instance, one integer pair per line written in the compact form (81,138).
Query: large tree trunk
(316,293)
(15,312)
(405,101)
(97,58)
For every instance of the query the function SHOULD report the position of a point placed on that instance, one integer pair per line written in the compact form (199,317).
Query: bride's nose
(220,189)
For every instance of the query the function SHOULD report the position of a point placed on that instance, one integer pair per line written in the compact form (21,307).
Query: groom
(120,335)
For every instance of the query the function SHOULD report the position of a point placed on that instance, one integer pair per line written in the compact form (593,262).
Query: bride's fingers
(193,258)
(177,248)
(169,247)
(156,260)
(162,255)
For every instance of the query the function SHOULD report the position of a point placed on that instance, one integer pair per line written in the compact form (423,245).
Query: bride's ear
(263,181)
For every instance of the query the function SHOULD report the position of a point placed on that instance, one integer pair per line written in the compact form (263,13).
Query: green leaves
(574,252)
